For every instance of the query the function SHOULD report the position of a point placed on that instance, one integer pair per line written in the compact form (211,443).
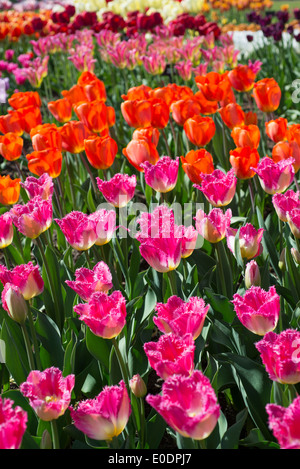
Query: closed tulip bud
(138,386)
(14,303)
(296,255)
(281,263)
(46,442)
(252,275)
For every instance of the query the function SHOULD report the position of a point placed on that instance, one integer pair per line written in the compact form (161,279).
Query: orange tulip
(24,99)
(242,159)
(251,118)
(197,162)
(276,129)
(183,109)
(160,113)
(140,150)
(284,150)
(100,151)
(267,94)
(45,136)
(30,117)
(12,122)
(94,88)
(75,94)
(199,130)
(73,134)
(137,93)
(232,115)
(9,190)
(11,146)
(151,134)
(165,93)
(61,109)
(45,161)
(246,136)
(214,86)
(242,78)
(293,133)
(137,113)
(207,107)
(93,114)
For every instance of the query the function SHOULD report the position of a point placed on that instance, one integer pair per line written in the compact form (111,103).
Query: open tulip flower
(284,423)
(276,129)
(13,424)
(49,393)
(9,190)
(213,227)
(79,230)
(172,354)
(105,416)
(61,109)
(119,190)
(89,281)
(26,277)
(181,317)
(246,135)
(275,177)
(162,176)
(249,240)
(196,163)
(188,404)
(258,310)
(42,186)
(280,355)
(267,94)
(33,218)
(284,203)
(200,130)
(218,187)
(104,314)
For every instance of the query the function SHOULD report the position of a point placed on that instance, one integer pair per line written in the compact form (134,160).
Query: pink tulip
(6,230)
(13,424)
(249,240)
(280,355)
(105,225)
(252,275)
(161,242)
(79,230)
(188,404)
(275,177)
(218,187)
(13,303)
(189,237)
(161,176)
(293,219)
(181,317)
(105,416)
(25,276)
(90,281)
(105,315)
(42,186)
(33,218)
(285,423)
(258,310)
(286,202)
(119,190)
(213,226)
(49,393)
(171,354)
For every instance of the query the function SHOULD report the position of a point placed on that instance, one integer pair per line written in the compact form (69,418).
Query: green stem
(142,421)
(222,277)
(34,339)
(88,260)
(121,363)
(55,438)
(172,281)
(28,347)
(50,280)
(86,165)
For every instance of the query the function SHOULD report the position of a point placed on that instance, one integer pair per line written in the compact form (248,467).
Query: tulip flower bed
(149,236)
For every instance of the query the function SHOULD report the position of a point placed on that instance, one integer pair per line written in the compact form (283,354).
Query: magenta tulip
(25,276)
(284,203)
(119,190)
(249,240)
(6,230)
(90,281)
(13,423)
(33,218)
(285,423)
(213,226)
(275,177)
(79,230)
(219,188)
(42,186)
(162,176)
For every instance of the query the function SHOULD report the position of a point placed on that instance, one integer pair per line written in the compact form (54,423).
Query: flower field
(149,225)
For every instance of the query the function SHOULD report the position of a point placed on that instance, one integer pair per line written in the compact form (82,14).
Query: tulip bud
(252,275)
(296,255)
(281,263)
(46,442)
(14,303)
(138,386)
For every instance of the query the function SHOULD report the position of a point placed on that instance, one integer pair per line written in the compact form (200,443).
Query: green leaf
(100,348)
(49,335)
(231,437)
(221,304)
